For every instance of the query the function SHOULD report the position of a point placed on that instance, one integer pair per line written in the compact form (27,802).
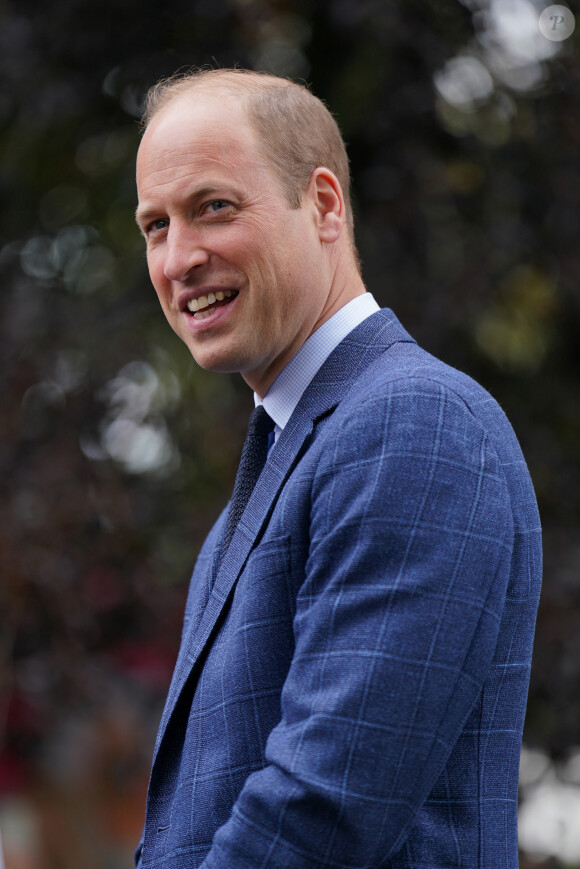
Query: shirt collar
(286,391)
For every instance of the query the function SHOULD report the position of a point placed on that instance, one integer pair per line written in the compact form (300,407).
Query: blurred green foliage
(117,453)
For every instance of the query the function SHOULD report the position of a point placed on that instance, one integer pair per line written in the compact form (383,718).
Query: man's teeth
(198,305)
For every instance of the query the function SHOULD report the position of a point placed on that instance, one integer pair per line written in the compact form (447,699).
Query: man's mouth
(204,305)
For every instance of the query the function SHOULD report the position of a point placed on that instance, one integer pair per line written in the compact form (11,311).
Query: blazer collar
(335,378)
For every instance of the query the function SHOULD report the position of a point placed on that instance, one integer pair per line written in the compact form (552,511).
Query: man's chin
(219,363)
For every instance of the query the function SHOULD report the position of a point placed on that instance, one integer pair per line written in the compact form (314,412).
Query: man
(351,685)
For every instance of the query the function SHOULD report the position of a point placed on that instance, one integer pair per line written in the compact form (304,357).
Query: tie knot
(260,423)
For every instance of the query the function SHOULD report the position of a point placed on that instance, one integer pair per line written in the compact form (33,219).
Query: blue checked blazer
(352,680)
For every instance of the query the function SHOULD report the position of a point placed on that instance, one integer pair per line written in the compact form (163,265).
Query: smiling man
(217,220)
(351,685)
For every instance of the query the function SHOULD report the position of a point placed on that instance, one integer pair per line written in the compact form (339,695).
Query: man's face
(241,277)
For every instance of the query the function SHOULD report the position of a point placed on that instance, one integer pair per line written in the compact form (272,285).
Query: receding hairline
(240,83)
(241,100)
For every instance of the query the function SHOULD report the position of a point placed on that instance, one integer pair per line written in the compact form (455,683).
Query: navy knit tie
(253,459)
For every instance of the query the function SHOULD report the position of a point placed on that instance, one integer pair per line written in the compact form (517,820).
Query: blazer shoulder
(407,368)
(408,386)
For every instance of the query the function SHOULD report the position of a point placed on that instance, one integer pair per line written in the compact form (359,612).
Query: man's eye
(155,226)
(217,204)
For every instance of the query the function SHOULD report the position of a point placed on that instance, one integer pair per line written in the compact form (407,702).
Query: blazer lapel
(334,379)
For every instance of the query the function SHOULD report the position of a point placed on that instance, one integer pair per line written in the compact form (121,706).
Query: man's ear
(329,203)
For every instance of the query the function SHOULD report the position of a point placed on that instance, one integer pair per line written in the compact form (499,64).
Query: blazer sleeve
(411,536)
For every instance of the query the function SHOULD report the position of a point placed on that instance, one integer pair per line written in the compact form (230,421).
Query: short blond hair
(296,130)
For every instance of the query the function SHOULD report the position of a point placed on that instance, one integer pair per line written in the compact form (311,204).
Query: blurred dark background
(117,453)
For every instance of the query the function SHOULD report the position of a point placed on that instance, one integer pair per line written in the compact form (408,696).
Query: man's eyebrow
(144,214)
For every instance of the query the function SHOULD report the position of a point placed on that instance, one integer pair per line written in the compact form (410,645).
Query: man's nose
(184,253)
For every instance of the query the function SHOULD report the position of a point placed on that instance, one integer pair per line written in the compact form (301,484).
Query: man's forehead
(203,122)
(197,145)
